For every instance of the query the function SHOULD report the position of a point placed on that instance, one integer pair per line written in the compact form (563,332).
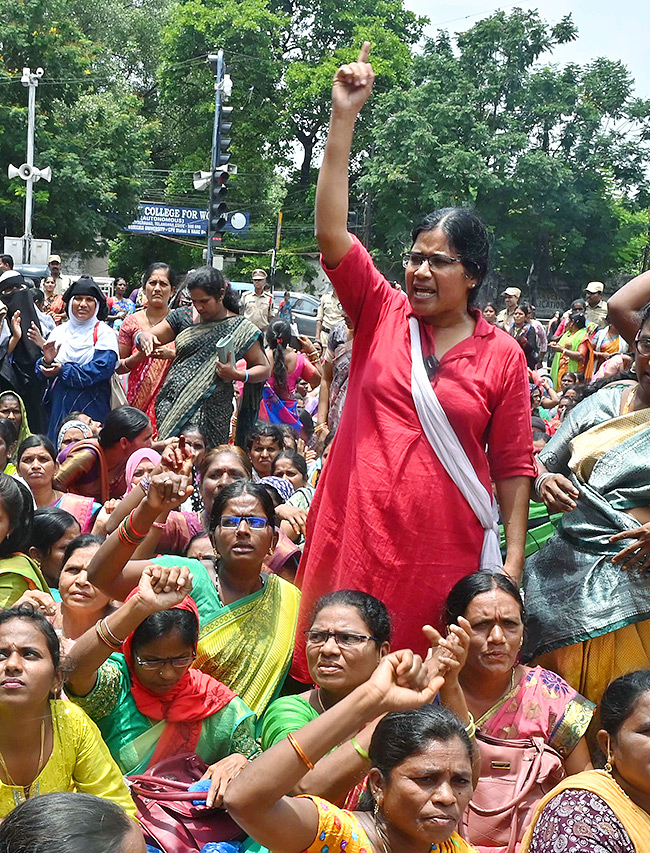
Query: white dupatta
(451,454)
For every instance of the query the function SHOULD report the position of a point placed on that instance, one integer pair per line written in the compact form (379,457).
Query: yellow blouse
(80,761)
(340,830)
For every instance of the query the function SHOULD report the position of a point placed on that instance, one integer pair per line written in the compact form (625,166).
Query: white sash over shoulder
(450,452)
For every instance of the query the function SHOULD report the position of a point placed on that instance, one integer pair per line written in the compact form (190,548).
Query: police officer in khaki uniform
(329,314)
(505,318)
(596,311)
(257,304)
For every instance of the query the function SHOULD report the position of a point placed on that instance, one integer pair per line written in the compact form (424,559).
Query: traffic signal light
(217,208)
(224,138)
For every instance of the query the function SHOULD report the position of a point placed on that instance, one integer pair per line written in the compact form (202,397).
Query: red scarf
(195,697)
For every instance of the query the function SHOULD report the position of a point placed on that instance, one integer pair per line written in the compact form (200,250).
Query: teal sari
(573,591)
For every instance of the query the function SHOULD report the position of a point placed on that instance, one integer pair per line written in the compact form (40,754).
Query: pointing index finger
(365,52)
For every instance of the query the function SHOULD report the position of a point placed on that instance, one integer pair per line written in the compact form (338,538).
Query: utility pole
(27,171)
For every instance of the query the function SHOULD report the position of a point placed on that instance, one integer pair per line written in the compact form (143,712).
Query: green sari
(193,391)
(132,737)
(247,645)
(19,573)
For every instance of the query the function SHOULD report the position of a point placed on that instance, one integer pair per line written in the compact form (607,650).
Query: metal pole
(218,89)
(31,81)
(276,249)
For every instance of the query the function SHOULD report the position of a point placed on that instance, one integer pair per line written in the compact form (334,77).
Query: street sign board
(155,218)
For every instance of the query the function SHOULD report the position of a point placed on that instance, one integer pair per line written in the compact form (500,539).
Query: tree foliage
(551,157)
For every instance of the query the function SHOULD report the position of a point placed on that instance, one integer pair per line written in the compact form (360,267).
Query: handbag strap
(143,785)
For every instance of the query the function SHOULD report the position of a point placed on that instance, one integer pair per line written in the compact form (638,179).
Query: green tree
(552,158)
(88,129)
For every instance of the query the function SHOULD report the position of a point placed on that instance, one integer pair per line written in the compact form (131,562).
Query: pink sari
(541,705)
(147,377)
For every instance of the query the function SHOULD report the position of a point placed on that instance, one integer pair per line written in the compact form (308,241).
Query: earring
(608,764)
(375,810)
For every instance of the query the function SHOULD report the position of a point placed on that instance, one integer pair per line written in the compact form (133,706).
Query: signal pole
(217,209)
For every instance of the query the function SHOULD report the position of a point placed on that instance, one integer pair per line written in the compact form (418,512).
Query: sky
(617,30)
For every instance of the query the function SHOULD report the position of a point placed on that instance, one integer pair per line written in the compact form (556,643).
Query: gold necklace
(39,766)
(320,701)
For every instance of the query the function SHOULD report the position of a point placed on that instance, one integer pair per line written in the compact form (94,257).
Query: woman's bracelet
(318,429)
(145,484)
(301,755)
(245,379)
(540,480)
(133,530)
(470,728)
(127,535)
(362,752)
(136,339)
(106,635)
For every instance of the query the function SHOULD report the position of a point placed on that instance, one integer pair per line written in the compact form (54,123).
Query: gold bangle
(470,728)
(301,755)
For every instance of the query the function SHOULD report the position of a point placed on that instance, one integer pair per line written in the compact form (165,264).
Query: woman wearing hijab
(79,357)
(140,464)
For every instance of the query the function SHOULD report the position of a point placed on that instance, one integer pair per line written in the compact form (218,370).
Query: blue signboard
(155,218)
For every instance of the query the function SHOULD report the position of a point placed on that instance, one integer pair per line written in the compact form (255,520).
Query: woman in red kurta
(387,518)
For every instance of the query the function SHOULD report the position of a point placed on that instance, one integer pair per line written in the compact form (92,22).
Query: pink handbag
(515,775)
(165,809)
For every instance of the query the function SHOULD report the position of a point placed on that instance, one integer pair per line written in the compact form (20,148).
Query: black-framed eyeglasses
(343,639)
(438,261)
(159,663)
(255,522)
(642,345)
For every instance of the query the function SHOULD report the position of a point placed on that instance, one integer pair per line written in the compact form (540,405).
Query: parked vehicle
(304,308)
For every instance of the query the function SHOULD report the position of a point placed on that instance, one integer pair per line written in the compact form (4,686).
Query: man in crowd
(505,318)
(62,281)
(329,314)
(596,311)
(257,304)
(6,263)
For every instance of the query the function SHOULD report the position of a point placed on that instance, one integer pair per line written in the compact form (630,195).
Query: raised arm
(256,797)
(90,651)
(352,87)
(626,305)
(109,568)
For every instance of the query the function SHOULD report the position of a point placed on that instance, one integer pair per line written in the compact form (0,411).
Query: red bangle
(135,532)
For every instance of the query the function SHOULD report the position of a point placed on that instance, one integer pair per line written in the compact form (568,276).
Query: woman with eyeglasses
(348,636)
(427,370)
(131,673)
(588,590)
(247,617)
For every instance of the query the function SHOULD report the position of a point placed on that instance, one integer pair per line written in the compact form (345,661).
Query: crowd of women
(405,628)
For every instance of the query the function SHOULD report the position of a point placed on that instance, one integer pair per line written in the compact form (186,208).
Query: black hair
(467,234)
(44,825)
(8,432)
(490,305)
(263,429)
(197,536)
(38,296)
(278,338)
(13,394)
(28,613)
(50,523)
(83,541)
(371,609)
(166,622)
(329,438)
(467,588)
(194,427)
(288,432)
(7,260)
(404,733)
(17,501)
(214,284)
(538,435)
(233,450)
(523,306)
(296,460)
(577,303)
(158,265)
(235,490)
(123,422)
(307,422)
(36,440)
(620,698)
(578,319)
